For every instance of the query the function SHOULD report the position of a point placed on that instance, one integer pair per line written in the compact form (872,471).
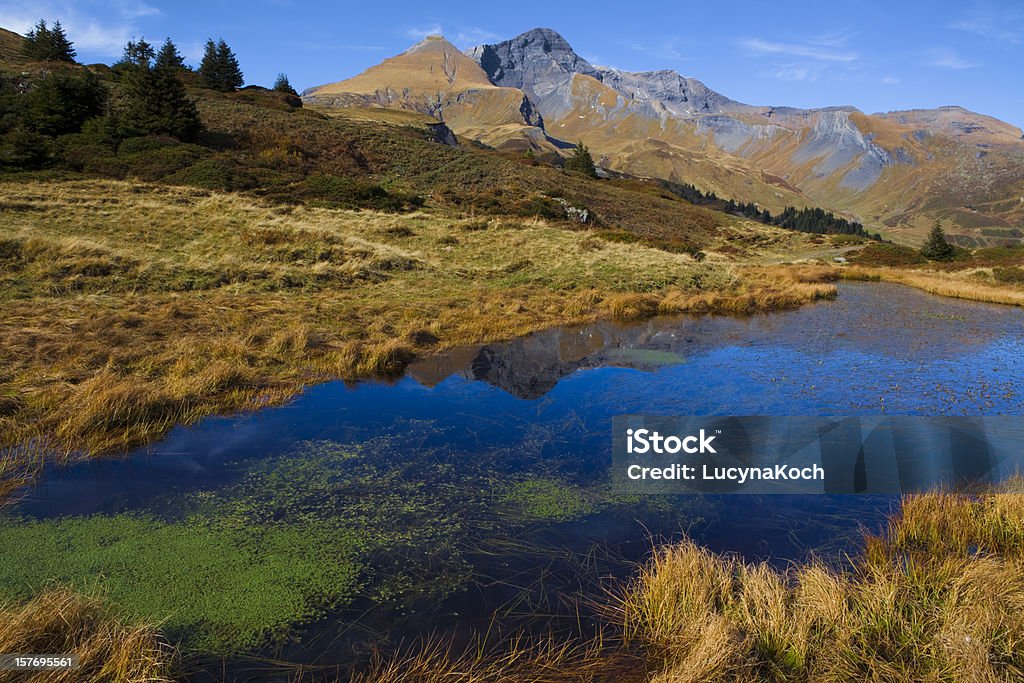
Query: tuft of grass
(110,649)
(940,596)
(518,658)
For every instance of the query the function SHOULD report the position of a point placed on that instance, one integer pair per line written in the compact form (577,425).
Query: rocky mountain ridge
(896,172)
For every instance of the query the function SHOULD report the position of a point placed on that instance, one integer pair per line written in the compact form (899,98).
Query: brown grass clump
(110,650)
(940,597)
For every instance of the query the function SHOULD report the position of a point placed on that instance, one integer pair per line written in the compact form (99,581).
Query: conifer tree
(936,247)
(137,54)
(232,77)
(219,69)
(168,57)
(159,105)
(208,66)
(49,44)
(581,161)
(61,102)
(282,85)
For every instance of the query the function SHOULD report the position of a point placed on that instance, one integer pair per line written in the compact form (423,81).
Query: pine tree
(208,66)
(232,73)
(581,161)
(159,105)
(61,48)
(282,85)
(219,69)
(936,247)
(168,57)
(61,102)
(46,44)
(137,54)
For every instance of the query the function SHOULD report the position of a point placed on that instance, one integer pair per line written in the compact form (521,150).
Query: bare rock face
(680,95)
(539,62)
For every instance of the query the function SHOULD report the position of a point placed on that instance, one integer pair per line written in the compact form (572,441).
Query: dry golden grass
(110,650)
(940,597)
(128,308)
(961,284)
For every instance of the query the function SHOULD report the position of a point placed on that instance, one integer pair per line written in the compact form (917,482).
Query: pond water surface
(438,464)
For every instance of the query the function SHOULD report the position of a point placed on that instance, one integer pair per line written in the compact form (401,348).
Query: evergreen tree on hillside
(168,57)
(219,69)
(581,161)
(282,85)
(936,247)
(137,54)
(232,72)
(159,105)
(48,44)
(208,66)
(61,102)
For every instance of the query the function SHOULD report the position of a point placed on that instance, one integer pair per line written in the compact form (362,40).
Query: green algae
(549,499)
(212,586)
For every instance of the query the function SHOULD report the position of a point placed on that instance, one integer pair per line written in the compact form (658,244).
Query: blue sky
(877,56)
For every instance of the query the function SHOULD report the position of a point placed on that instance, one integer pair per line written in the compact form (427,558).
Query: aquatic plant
(548,499)
(209,585)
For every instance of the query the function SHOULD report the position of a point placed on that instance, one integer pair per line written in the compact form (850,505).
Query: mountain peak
(536,55)
(434,42)
(549,39)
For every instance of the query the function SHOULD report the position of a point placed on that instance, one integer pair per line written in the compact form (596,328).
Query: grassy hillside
(11,46)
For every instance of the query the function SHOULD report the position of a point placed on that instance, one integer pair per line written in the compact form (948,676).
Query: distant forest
(817,221)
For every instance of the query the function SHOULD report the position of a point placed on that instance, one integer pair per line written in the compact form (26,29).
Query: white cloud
(794,74)
(463,37)
(805,60)
(98,28)
(946,58)
(471,37)
(669,50)
(421,32)
(1005,24)
(889,79)
(838,38)
(820,53)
